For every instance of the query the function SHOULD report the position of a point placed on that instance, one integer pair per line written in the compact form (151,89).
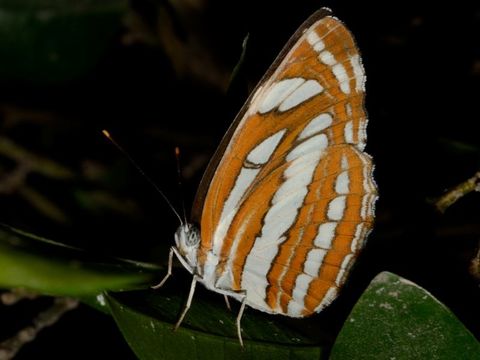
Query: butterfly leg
(227,302)
(169,270)
(239,318)
(189,301)
(240,295)
(173,250)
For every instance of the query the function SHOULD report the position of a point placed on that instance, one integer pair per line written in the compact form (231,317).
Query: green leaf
(51,40)
(47,267)
(397,319)
(146,320)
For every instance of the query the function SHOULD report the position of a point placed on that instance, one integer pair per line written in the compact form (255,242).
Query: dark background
(161,79)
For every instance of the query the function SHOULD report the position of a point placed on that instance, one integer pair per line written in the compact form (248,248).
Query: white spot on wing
(317,124)
(314,144)
(312,37)
(262,152)
(296,305)
(314,261)
(301,285)
(348,109)
(358,72)
(338,70)
(319,46)
(302,93)
(325,235)
(327,58)
(314,40)
(348,132)
(278,92)
(294,309)
(342,77)
(342,183)
(336,208)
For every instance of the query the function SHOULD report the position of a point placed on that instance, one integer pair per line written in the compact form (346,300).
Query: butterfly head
(187,239)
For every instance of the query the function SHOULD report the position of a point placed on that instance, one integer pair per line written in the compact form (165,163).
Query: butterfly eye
(193,236)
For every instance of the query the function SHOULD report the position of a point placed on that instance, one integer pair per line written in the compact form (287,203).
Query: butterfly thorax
(187,239)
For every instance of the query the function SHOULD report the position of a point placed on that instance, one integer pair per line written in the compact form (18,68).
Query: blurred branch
(15,295)
(13,116)
(475,265)
(33,162)
(10,347)
(27,162)
(462,189)
(460,147)
(42,204)
(97,200)
(15,179)
(180,32)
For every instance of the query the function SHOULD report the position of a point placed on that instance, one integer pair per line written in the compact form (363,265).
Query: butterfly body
(288,200)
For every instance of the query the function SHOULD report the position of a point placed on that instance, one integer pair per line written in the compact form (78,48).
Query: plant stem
(462,189)
(10,347)
(15,295)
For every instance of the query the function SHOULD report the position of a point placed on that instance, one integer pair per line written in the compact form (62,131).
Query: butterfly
(287,201)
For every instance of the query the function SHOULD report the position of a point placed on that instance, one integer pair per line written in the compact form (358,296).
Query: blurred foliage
(51,268)
(52,40)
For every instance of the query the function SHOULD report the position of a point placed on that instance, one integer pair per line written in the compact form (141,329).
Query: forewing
(291,200)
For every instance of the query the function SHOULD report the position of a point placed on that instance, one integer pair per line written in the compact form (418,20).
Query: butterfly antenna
(179,175)
(149,179)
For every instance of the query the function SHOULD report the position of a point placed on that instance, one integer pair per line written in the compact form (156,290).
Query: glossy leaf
(38,264)
(146,320)
(397,319)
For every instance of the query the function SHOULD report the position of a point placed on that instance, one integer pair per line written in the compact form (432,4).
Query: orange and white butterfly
(287,201)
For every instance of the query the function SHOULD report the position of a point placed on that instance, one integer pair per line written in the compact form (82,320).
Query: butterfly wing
(290,194)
